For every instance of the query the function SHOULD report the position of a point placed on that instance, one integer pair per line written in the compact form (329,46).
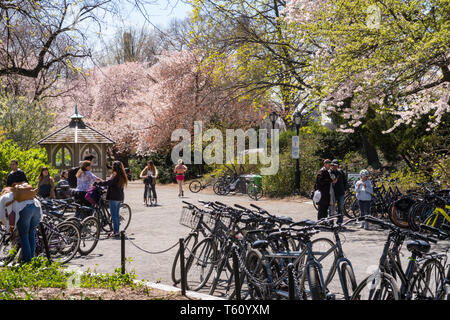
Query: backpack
(73,177)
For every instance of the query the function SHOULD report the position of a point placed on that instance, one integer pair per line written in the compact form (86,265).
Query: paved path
(157,228)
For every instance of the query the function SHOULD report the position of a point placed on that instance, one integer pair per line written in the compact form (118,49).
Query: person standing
(16,176)
(46,184)
(364,191)
(115,194)
(323,183)
(85,178)
(180,170)
(339,188)
(149,174)
(27,218)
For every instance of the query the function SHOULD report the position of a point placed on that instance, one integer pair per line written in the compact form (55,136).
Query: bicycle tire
(315,283)
(66,233)
(176,264)
(124,216)
(255,267)
(90,234)
(254,191)
(348,280)
(203,257)
(422,287)
(398,218)
(329,261)
(387,290)
(195,186)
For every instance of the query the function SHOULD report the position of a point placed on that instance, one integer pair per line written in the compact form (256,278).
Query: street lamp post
(273,116)
(297,121)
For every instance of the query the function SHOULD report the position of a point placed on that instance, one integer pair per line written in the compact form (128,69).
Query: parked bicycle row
(69,228)
(427,204)
(283,259)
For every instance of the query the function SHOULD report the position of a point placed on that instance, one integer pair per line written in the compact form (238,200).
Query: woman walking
(46,185)
(115,194)
(364,191)
(149,174)
(180,170)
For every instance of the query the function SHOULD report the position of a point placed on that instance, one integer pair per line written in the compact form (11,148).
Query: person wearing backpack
(16,176)
(115,194)
(72,174)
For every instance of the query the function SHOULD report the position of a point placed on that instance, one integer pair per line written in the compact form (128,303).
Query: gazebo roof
(76,132)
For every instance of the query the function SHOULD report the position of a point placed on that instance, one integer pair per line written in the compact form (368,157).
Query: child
(364,191)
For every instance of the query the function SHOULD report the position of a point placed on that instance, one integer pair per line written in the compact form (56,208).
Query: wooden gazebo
(67,146)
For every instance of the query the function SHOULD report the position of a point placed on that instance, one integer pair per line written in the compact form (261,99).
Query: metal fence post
(291,281)
(237,277)
(182,268)
(122,250)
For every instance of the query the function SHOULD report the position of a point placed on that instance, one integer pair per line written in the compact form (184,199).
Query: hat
(335,162)
(326,161)
(364,173)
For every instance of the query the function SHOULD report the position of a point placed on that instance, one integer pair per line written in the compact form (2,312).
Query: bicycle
(197,185)
(382,284)
(149,200)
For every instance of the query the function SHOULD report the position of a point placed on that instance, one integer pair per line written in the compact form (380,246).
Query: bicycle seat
(260,244)
(284,220)
(57,214)
(418,245)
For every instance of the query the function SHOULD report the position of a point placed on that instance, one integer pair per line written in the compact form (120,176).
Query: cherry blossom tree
(391,54)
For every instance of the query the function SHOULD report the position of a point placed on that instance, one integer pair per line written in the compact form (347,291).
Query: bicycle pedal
(331,296)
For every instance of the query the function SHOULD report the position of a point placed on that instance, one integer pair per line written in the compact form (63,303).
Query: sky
(159,15)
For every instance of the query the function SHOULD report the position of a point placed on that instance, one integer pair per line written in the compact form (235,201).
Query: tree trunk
(371,153)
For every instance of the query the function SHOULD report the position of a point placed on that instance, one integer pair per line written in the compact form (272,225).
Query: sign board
(295,147)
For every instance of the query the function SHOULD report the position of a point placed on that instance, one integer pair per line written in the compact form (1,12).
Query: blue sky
(159,14)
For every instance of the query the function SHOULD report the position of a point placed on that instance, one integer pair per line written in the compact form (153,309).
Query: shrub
(30,161)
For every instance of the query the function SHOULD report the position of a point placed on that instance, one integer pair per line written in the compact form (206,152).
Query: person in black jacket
(323,183)
(339,187)
(16,176)
(115,193)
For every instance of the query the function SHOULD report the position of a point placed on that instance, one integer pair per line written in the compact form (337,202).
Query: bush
(30,161)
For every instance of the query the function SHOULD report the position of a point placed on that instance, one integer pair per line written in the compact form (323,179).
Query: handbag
(93,195)
(317,196)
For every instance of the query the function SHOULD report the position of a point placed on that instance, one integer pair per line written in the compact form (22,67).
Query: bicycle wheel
(90,233)
(255,191)
(64,241)
(124,216)
(378,286)
(189,244)
(200,264)
(255,276)
(8,246)
(325,251)
(316,287)
(217,187)
(348,280)
(426,283)
(195,186)
(399,217)
(418,214)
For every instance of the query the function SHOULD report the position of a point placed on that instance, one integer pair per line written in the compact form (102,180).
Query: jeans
(364,207)
(114,207)
(29,219)
(340,208)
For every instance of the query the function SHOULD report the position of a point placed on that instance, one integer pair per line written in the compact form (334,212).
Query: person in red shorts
(180,170)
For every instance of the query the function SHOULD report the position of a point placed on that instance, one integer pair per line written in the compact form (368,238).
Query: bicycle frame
(436,212)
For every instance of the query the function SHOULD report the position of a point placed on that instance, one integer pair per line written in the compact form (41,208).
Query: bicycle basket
(189,218)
